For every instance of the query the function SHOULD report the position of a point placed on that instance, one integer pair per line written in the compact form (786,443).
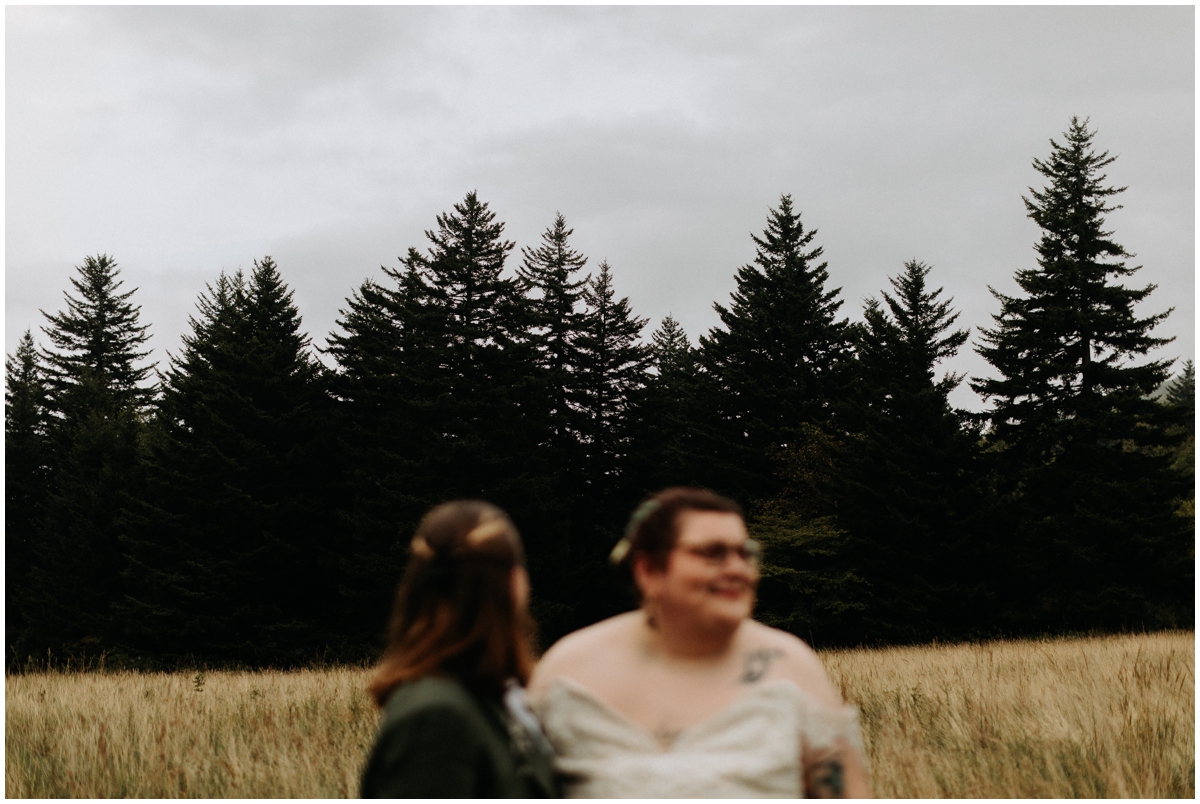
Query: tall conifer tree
(773,365)
(231,544)
(438,381)
(478,321)
(98,393)
(25,471)
(1083,479)
(612,379)
(671,409)
(905,488)
(552,273)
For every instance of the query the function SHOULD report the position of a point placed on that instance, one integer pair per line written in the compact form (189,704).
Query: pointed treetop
(554,260)
(1065,349)
(24,385)
(1181,391)
(670,338)
(98,336)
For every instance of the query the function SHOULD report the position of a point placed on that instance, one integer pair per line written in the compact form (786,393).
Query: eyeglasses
(715,553)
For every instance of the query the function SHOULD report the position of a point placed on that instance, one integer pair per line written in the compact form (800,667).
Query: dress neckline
(581,690)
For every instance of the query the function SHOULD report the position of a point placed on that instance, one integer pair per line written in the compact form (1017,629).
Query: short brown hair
(654,527)
(454,611)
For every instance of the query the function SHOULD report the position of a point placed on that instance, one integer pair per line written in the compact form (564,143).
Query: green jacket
(437,740)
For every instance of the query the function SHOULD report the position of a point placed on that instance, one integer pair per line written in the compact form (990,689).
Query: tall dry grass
(217,735)
(1097,717)
(1111,716)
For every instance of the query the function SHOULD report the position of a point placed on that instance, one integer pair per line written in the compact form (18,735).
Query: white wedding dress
(750,749)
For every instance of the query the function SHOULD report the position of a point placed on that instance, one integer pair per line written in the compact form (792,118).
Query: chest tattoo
(756,664)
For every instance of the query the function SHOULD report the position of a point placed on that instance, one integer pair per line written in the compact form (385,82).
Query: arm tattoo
(825,780)
(756,663)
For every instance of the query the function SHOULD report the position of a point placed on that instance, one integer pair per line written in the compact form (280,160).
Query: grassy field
(1098,717)
(1104,717)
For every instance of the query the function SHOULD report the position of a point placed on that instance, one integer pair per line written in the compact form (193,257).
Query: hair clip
(639,516)
(485,530)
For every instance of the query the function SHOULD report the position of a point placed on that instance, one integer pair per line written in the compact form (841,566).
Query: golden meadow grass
(1102,717)
(1112,716)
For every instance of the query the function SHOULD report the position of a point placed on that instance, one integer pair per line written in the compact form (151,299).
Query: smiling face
(707,581)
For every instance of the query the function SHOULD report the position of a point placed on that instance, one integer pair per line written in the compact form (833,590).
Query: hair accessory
(639,516)
(485,530)
(421,549)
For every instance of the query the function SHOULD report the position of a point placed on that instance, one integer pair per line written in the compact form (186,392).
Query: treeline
(245,504)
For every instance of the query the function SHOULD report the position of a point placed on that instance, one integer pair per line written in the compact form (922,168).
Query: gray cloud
(188,140)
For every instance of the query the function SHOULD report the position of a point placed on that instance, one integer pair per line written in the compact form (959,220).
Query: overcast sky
(184,141)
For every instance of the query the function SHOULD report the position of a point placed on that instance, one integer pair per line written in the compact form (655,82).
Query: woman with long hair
(459,648)
(687,696)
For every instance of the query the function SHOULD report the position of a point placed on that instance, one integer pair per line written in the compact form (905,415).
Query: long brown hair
(455,613)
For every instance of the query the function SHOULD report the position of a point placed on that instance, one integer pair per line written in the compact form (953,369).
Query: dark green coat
(437,740)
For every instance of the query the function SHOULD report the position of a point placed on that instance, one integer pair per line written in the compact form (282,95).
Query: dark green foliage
(383,422)
(439,389)
(25,472)
(97,397)
(1180,397)
(611,381)
(551,272)
(1181,391)
(258,511)
(905,485)
(806,587)
(230,542)
(775,364)
(672,412)
(1082,479)
(612,375)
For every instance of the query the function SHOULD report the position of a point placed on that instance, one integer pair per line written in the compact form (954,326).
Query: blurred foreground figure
(454,720)
(687,697)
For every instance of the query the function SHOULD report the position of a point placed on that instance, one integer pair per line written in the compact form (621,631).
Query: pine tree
(1082,475)
(774,366)
(231,545)
(671,409)
(97,398)
(386,392)
(1180,398)
(612,378)
(477,322)
(1181,391)
(440,396)
(25,472)
(905,487)
(552,273)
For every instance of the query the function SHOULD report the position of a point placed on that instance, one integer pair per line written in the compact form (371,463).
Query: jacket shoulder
(430,692)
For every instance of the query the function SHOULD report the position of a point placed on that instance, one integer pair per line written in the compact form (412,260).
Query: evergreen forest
(249,500)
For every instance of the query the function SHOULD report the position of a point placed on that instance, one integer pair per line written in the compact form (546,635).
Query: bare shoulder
(797,663)
(583,653)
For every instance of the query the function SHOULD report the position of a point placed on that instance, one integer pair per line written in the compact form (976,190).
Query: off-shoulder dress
(751,749)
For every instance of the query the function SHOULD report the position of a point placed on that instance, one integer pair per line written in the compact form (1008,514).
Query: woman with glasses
(687,697)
